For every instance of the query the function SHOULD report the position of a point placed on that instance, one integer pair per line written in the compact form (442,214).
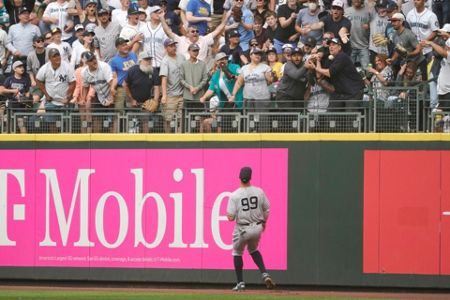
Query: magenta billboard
(134,208)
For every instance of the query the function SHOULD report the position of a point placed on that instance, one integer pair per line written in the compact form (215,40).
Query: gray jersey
(171,68)
(248,205)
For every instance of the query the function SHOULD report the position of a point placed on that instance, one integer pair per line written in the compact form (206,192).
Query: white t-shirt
(128,31)
(100,80)
(255,84)
(204,42)
(119,16)
(59,11)
(422,25)
(64,49)
(3,38)
(153,42)
(444,76)
(408,5)
(56,81)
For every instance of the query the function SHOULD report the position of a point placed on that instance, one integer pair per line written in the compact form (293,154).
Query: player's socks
(257,258)
(238,266)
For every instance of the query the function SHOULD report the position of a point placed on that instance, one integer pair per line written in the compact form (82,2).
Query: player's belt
(248,224)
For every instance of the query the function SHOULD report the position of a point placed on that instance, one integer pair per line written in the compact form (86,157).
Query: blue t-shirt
(246,35)
(199,8)
(120,65)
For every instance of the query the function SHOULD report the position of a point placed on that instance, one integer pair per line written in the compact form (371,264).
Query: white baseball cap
(154,8)
(338,3)
(397,16)
(445,28)
(447,43)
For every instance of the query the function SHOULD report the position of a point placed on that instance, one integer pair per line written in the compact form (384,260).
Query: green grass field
(111,295)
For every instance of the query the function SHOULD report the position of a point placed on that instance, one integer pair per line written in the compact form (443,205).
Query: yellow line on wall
(241,137)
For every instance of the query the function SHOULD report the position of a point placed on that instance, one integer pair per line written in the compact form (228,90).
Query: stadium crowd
(316,55)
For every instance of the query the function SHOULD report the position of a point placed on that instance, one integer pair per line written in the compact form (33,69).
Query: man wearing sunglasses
(192,37)
(36,59)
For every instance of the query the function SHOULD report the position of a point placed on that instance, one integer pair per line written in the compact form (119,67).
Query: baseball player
(249,206)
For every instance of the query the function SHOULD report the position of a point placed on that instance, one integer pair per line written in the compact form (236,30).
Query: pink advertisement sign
(134,208)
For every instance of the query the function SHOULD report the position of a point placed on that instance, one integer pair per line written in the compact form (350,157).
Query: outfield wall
(346,210)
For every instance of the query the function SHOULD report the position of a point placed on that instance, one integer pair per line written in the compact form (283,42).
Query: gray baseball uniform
(250,208)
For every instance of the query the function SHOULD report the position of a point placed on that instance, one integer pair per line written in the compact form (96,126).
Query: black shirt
(140,83)
(284,34)
(234,55)
(41,58)
(344,76)
(334,27)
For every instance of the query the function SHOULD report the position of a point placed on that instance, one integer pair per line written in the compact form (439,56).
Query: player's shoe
(270,284)
(239,287)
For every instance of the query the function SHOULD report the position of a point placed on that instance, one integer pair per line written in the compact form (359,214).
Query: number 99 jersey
(248,205)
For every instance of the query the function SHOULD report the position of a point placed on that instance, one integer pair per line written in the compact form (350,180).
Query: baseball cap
(297,50)
(335,41)
(142,11)
(233,33)
(88,55)
(272,49)
(52,52)
(220,56)
(382,3)
(169,42)
(447,43)
(193,47)
(391,5)
(245,174)
(337,3)
(88,32)
(38,38)
(445,28)
(17,64)
(397,17)
(79,27)
(154,8)
(55,30)
(90,2)
(23,9)
(120,41)
(144,55)
(310,41)
(133,11)
(102,11)
(256,50)
(287,46)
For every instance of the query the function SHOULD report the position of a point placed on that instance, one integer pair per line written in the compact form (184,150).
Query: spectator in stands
(274,64)
(348,84)
(144,7)
(359,33)
(336,23)
(119,15)
(444,74)
(253,43)
(48,38)
(272,26)
(173,19)
(171,87)
(17,87)
(256,78)
(56,15)
(14,7)
(198,14)
(379,20)
(84,103)
(291,90)
(56,79)
(260,33)
(154,37)
(106,33)
(309,46)
(130,31)
(287,16)
(262,7)
(120,64)
(318,90)
(222,83)
(241,19)
(88,15)
(233,49)
(88,45)
(78,42)
(20,36)
(63,47)
(307,16)
(382,76)
(192,37)
(194,78)
(99,76)
(406,46)
(35,60)
(141,82)
(442,10)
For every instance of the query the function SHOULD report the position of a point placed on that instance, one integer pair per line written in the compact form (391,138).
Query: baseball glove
(379,40)
(150,105)
(237,14)
(401,50)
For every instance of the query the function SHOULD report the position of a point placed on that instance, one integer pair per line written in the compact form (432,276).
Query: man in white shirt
(130,30)
(424,24)
(64,48)
(154,37)
(119,15)
(57,16)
